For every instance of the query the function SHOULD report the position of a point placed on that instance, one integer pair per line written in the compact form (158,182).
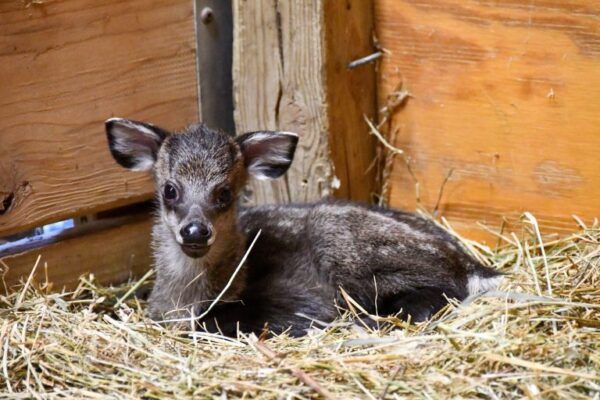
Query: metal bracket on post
(214,40)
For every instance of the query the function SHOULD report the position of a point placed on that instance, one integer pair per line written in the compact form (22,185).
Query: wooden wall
(65,67)
(504,93)
(290,73)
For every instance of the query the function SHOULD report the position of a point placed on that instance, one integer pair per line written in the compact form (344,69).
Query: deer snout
(196,233)
(197,237)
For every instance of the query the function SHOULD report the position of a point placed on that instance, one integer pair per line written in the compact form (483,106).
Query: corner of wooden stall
(71,65)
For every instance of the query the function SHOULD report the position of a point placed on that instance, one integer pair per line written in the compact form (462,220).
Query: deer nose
(196,233)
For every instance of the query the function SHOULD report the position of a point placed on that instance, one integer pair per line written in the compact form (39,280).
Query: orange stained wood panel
(506,94)
(65,67)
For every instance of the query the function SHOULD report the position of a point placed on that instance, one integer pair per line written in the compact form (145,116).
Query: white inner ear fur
(136,141)
(276,152)
(143,164)
(260,136)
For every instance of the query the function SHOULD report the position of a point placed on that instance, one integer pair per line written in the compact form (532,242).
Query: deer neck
(200,280)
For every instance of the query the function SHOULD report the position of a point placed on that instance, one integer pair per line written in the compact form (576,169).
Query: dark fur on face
(387,260)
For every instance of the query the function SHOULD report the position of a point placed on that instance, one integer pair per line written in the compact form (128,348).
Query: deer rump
(388,261)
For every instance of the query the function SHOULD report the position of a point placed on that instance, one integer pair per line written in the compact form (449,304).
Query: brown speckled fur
(387,260)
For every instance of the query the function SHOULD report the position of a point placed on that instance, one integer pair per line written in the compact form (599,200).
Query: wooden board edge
(351,95)
(113,255)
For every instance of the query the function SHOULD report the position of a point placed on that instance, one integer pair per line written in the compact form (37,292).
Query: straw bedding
(536,337)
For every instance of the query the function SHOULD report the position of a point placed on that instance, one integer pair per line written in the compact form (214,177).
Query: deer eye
(170,192)
(225,196)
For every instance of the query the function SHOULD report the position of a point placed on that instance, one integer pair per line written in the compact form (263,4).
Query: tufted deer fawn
(387,260)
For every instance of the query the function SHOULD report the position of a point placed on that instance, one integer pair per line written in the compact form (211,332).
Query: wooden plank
(65,67)
(278,86)
(113,255)
(351,94)
(280,83)
(507,95)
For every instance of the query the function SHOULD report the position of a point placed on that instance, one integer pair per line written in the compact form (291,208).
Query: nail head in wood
(206,15)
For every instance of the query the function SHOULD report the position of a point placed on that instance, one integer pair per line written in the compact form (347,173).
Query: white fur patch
(477,284)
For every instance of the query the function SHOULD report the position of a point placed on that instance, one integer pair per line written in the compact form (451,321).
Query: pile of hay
(538,336)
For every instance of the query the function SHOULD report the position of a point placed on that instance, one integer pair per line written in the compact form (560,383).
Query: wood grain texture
(284,65)
(351,94)
(113,255)
(507,95)
(65,67)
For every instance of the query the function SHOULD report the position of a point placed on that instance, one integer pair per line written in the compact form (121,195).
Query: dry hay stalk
(528,339)
(385,151)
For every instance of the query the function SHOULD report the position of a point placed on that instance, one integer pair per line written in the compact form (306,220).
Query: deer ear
(134,145)
(267,154)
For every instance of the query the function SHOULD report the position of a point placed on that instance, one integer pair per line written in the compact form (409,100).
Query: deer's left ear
(267,154)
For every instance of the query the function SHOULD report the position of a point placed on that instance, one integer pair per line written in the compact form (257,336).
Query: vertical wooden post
(290,73)
(214,36)
(351,94)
